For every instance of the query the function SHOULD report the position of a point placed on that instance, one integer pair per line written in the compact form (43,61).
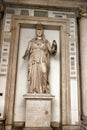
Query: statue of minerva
(39,51)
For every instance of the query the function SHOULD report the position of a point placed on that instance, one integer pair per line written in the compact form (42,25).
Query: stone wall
(69,103)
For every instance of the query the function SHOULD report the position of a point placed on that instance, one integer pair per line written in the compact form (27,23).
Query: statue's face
(39,32)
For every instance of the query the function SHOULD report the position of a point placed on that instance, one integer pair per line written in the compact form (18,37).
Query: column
(83,56)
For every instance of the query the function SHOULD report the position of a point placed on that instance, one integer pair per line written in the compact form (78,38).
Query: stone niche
(27,34)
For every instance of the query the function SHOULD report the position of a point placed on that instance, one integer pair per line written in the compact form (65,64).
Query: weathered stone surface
(38,110)
(39,128)
(83,52)
(50,3)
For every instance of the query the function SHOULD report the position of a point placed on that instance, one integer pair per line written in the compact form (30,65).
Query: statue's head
(39,30)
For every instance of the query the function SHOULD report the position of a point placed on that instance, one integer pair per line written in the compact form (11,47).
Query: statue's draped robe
(38,51)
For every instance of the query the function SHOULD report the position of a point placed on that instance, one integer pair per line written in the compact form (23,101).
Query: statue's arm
(27,50)
(48,46)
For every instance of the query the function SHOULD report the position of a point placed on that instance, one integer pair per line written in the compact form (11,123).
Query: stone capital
(83,11)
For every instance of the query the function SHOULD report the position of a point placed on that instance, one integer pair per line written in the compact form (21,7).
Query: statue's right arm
(26,53)
(27,50)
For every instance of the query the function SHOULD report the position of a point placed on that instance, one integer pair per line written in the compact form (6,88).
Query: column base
(84,123)
(8,127)
(37,128)
(71,127)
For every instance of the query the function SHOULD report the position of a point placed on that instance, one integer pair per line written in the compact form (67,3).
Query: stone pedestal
(38,111)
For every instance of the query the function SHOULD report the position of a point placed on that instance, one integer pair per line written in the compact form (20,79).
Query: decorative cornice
(83,11)
(48,3)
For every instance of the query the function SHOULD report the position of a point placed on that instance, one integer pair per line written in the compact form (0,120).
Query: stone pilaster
(83,56)
(1,11)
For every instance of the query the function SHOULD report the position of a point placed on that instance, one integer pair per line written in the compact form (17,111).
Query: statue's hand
(24,57)
(54,47)
(25,54)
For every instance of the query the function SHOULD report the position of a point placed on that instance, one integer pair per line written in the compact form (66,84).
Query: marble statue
(39,51)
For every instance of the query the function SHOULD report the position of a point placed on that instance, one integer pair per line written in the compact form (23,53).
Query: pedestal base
(38,128)
(38,111)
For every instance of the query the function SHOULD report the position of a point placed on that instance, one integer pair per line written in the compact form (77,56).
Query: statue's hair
(39,26)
